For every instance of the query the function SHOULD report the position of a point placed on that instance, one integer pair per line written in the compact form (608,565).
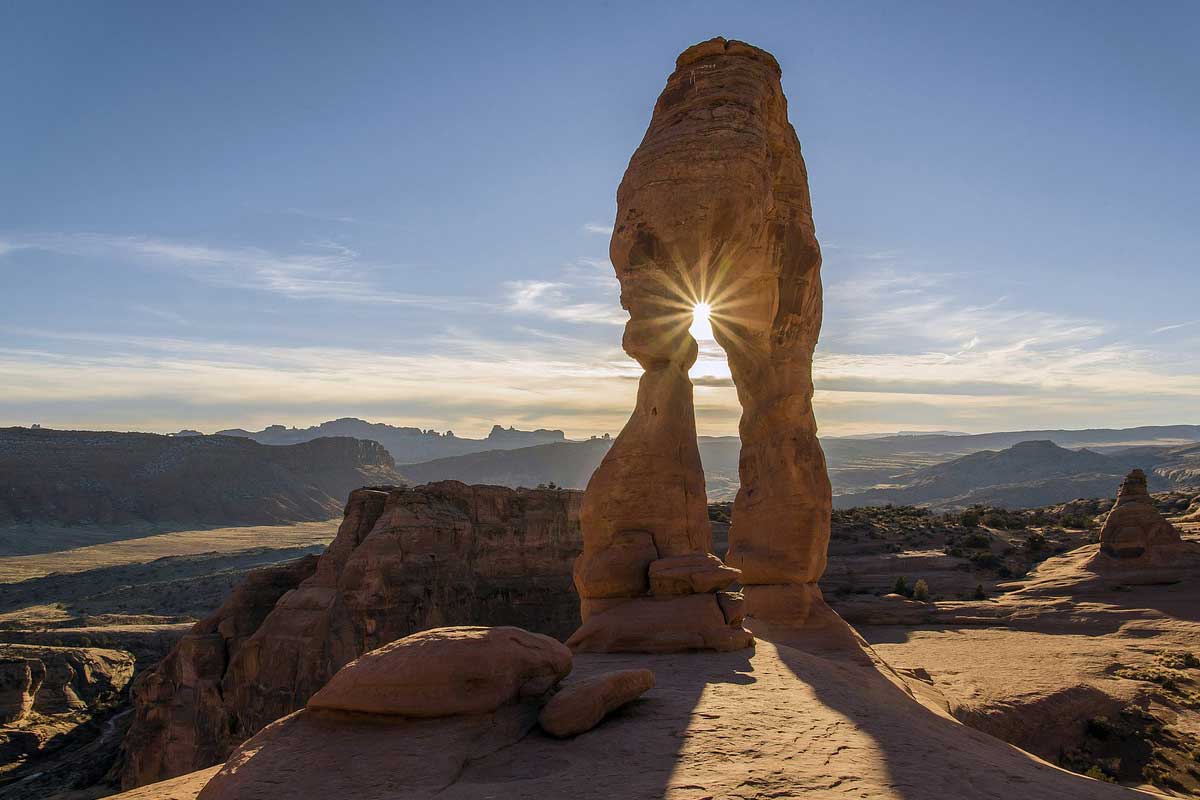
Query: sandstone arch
(714,207)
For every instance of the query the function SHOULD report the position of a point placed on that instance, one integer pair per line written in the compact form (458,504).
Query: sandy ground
(178,543)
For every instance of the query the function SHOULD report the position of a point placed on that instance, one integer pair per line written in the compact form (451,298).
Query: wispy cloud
(324,270)
(553,299)
(1176,326)
(160,313)
(598,228)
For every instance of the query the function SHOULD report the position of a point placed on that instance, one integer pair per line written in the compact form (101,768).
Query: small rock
(695,573)
(581,706)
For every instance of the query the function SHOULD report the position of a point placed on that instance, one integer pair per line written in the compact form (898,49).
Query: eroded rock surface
(64,679)
(714,208)
(18,685)
(404,560)
(1134,529)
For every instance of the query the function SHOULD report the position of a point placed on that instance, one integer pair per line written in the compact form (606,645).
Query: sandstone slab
(581,706)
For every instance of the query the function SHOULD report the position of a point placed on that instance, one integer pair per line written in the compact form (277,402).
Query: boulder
(447,671)
(581,706)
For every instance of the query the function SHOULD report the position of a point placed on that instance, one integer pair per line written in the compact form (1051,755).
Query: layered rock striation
(404,560)
(1134,529)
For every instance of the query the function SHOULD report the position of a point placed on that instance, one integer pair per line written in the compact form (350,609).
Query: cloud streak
(325,270)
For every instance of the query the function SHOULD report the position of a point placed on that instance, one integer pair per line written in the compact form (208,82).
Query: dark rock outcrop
(56,680)
(92,477)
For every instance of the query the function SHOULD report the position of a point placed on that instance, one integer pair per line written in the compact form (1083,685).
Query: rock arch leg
(714,207)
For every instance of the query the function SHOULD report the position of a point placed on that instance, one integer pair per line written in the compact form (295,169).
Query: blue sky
(240,214)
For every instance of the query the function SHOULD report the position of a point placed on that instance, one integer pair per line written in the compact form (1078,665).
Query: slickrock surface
(404,560)
(1089,663)
(714,207)
(581,706)
(1134,529)
(810,716)
(447,671)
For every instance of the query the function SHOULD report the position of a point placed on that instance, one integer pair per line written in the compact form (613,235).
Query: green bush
(975,541)
(901,587)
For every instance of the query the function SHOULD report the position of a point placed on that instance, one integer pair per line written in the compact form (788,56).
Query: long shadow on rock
(891,740)
(635,753)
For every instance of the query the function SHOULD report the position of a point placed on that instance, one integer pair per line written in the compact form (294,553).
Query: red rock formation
(404,560)
(713,208)
(1134,528)
(18,685)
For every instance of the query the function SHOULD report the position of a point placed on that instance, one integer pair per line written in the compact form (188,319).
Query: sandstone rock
(64,679)
(733,606)
(826,720)
(660,625)
(714,208)
(619,570)
(366,757)
(447,671)
(696,573)
(404,560)
(579,707)
(182,721)
(17,690)
(1134,528)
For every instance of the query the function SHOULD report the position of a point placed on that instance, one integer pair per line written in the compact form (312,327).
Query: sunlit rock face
(1134,528)
(714,208)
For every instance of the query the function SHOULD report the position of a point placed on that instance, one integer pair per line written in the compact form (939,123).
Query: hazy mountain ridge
(406,445)
(70,478)
(1029,474)
(862,465)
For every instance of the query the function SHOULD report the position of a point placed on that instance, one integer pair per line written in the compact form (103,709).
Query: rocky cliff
(404,560)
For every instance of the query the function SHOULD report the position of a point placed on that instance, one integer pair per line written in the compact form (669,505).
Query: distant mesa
(407,445)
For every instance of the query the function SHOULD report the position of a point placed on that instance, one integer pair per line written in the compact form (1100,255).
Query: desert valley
(362,609)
